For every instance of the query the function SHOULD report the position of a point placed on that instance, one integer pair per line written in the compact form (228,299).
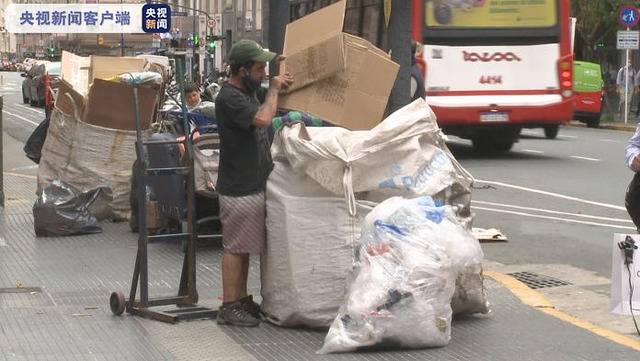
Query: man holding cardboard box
(243,112)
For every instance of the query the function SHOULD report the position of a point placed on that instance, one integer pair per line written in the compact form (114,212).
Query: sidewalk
(54,306)
(617,124)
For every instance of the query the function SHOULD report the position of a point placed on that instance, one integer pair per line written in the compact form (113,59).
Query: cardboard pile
(91,137)
(83,79)
(338,77)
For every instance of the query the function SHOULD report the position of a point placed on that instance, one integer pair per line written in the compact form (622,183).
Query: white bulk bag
(309,252)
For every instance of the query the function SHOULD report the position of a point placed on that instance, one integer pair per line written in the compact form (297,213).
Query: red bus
(494,67)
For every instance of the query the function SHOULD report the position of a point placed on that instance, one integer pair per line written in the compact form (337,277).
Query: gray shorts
(243,223)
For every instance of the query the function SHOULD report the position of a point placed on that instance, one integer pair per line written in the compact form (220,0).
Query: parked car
(588,87)
(50,70)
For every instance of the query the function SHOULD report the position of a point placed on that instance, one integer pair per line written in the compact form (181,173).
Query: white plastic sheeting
(315,205)
(410,255)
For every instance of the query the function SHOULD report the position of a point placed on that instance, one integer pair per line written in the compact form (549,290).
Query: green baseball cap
(248,50)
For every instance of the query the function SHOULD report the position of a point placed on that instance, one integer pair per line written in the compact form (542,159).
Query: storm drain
(536,281)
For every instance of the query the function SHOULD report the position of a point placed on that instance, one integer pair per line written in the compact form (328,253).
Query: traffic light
(211,42)
(600,44)
(211,45)
(195,40)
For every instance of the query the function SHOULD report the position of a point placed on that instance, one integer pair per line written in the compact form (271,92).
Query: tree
(595,21)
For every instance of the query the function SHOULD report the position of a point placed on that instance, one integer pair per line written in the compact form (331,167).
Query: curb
(536,300)
(611,126)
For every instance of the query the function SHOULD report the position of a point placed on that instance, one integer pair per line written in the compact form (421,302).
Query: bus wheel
(551,131)
(594,121)
(482,144)
(503,145)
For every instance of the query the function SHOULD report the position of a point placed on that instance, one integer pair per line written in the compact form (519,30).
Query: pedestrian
(625,78)
(417,79)
(636,92)
(243,111)
(632,197)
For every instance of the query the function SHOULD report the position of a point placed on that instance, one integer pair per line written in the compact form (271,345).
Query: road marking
(33,110)
(568,220)
(532,151)
(24,167)
(532,190)
(584,158)
(536,300)
(567,136)
(21,175)
(610,140)
(554,212)
(21,117)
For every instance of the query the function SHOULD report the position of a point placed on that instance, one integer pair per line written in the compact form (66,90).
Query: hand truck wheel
(117,303)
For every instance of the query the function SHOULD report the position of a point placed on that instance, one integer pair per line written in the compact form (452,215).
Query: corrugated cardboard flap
(354,98)
(313,46)
(110,105)
(74,70)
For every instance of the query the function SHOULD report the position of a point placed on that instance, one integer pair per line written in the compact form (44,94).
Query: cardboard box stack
(338,77)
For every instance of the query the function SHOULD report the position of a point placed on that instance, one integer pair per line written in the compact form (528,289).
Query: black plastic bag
(33,146)
(63,211)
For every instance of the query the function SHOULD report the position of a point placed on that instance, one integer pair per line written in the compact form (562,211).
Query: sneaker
(234,314)
(251,307)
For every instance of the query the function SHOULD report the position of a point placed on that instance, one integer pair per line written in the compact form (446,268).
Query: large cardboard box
(81,71)
(104,103)
(354,95)
(110,105)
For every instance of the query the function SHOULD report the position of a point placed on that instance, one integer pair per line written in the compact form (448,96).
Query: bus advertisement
(493,67)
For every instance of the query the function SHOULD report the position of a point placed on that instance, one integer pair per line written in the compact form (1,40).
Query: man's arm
(268,109)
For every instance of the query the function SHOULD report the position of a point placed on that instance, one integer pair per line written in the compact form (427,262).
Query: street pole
(278,20)
(121,41)
(400,39)
(626,85)
(193,49)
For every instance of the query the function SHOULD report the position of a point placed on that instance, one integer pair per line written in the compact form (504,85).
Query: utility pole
(122,52)
(278,20)
(399,35)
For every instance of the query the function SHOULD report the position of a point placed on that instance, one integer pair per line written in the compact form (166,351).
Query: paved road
(582,173)
(559,201)
(19,119)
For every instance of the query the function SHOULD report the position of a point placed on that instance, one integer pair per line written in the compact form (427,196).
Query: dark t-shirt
(245,157)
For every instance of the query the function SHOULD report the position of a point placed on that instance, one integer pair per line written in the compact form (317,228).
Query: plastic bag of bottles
(411,252)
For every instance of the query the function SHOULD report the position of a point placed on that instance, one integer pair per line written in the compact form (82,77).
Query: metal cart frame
(187,297)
